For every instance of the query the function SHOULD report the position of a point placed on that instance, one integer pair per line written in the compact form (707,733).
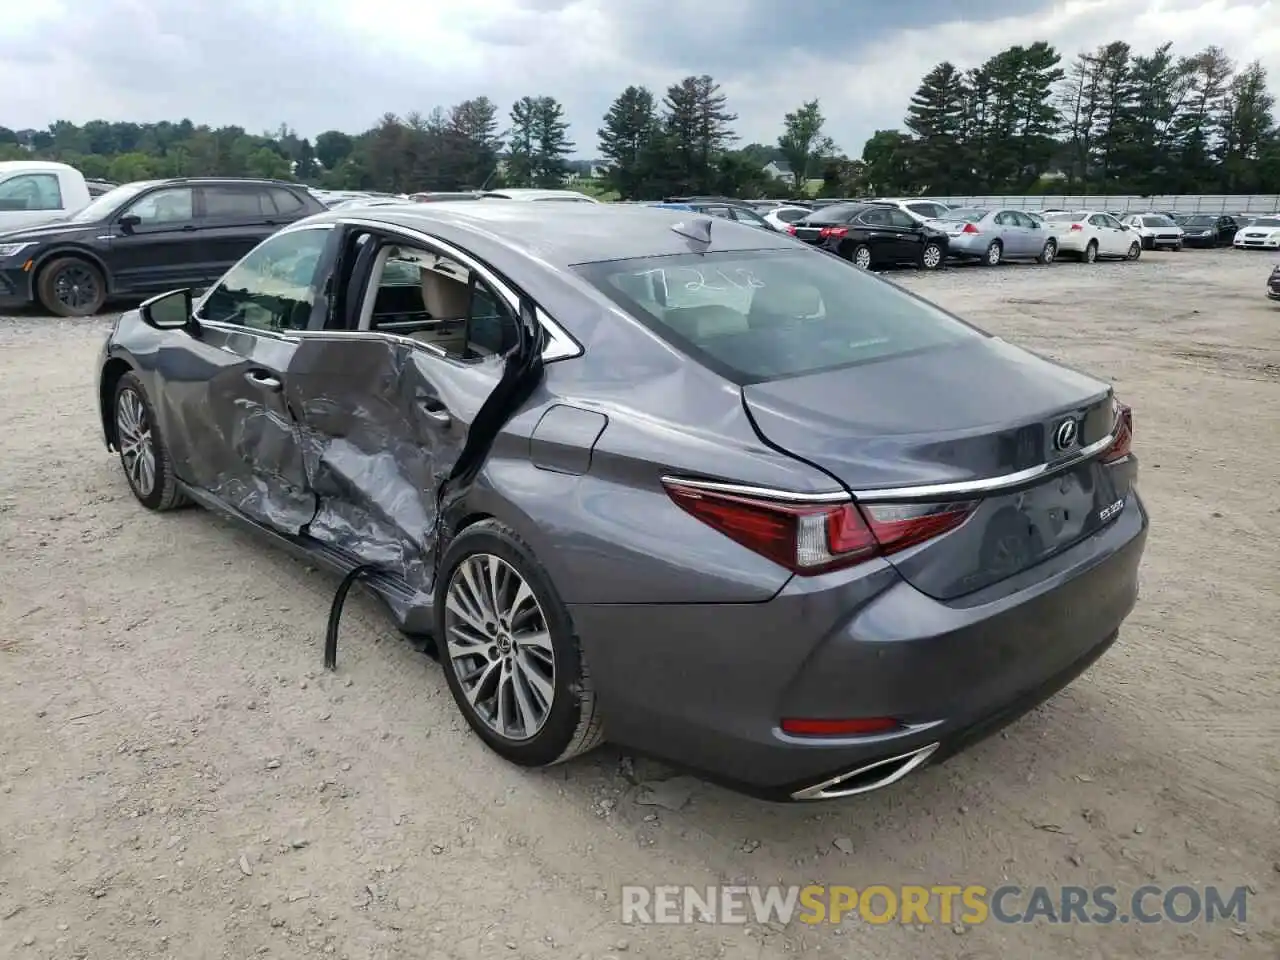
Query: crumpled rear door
(383,424)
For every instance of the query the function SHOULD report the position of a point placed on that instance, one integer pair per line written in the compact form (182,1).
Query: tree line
(1112,121)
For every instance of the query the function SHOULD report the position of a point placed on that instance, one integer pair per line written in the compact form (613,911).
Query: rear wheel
(1049,253)
(931,256)
(1135,250)
(143,453)
(1090,254)
(862,256)
(993,255)
(509,651)
(71,287)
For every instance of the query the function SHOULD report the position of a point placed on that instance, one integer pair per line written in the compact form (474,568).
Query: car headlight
(12,249)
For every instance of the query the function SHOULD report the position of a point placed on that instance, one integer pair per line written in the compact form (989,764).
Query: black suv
(142,238)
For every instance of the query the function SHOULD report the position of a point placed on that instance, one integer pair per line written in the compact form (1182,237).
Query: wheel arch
(68,250)
(112,372)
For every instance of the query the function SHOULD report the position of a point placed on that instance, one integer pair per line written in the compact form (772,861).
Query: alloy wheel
(1049,253)
(75,287)
(862,257)
(137,449)
(1091,253)
(499,646)
(1135,251)
(993,254)
(932,257)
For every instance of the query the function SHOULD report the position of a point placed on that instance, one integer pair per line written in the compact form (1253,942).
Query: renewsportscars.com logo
(945,904)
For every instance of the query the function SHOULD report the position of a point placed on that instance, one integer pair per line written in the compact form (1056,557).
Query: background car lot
(178,767)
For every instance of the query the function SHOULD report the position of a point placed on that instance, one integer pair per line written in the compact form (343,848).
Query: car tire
(1049,253)
(144,456)
(1090,254)
(995,252)
(570,723)
(861,256)
(931,257)
(1135,251)
(71,287)
(1177,247)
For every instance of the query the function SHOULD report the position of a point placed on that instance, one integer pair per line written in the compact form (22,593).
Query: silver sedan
(995,235)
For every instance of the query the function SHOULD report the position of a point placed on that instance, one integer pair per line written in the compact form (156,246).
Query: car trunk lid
(957,415)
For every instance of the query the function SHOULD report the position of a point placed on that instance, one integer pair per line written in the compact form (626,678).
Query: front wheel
(1090,254)
(72,287)
(931,256)
(143,452)
(1135,250)
(1049,253)
(510,655)
(862,256)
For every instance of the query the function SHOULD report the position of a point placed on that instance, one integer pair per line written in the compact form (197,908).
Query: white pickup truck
(36,191)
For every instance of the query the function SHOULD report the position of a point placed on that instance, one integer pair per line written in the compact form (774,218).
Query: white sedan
(1262,234)
(1089,235)
(783,216)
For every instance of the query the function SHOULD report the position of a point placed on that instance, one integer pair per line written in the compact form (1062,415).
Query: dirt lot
(178,778)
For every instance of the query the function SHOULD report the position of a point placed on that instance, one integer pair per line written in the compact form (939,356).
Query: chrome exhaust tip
(873,776)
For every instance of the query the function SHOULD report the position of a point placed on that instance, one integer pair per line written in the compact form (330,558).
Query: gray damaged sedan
(650,476)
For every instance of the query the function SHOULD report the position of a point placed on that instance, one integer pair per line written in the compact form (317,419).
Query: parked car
(873,234)
(572,196)
(39,191)
(1207,229)
(916,207)
(1273,283)
(1155,230)
(992,236)
(729,211)
(144,237)
(97,188)
(1090,235)
(901,568)
(782,217)
(434,197)
(1262,234)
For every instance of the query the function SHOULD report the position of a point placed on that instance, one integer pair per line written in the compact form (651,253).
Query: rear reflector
(813,538)
(861,727)
(1122,446)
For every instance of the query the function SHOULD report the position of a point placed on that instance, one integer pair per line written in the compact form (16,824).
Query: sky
(323,64)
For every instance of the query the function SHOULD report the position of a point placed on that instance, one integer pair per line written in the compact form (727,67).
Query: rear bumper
(968,245)
(705,685)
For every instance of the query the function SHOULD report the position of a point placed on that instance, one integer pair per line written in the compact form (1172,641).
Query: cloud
(333,64)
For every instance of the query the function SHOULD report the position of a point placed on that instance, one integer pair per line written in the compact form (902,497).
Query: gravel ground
(179,779)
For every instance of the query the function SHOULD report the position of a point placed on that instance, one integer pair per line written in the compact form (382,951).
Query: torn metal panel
(382,424)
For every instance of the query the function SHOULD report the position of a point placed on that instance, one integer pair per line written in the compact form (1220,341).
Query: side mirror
(129,221)
(169,311)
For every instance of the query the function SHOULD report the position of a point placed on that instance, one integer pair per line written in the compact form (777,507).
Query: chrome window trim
(932,491)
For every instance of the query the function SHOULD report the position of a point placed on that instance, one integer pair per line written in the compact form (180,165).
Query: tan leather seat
(445,299)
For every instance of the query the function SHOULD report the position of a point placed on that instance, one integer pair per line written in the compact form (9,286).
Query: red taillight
(836,232)
(1122,446)
(970,228)
(1075,227)
(791,229)
(859,727)
(809,539)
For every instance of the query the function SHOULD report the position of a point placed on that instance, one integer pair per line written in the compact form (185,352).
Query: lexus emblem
(1065,435)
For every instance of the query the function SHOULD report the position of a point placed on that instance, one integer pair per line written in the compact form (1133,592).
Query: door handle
(263,380)
(436,411)
(187,228)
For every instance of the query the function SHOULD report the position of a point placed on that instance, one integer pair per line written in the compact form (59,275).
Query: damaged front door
(385,404)
(249,454)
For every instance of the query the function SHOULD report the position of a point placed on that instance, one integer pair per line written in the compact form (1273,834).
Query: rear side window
(235,202)
(31,191)
(286,201)
(753,316)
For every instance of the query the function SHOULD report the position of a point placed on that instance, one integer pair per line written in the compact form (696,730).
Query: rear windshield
(1266,222)
(835,213)
(968,214)
(1198,221)
(1065,217)
(760,315)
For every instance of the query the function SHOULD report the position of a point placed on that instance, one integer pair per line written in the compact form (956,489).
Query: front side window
(31,191)
(753,316)
(273,288)
(167,206)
